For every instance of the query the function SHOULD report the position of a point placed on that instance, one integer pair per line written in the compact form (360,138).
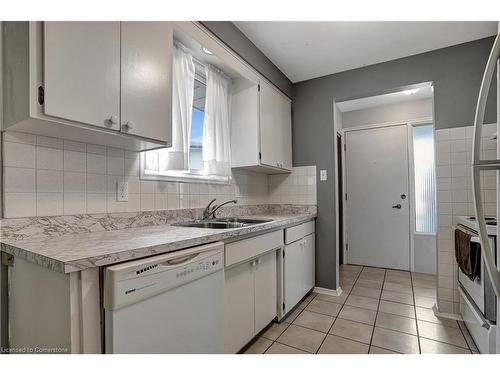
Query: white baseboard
(330,292)
(439,314)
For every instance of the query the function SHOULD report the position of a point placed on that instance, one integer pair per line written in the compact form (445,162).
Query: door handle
(398,206)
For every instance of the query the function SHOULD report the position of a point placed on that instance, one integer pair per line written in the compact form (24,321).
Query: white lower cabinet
(298,264)
(239,305)
(250,300)
(265,290)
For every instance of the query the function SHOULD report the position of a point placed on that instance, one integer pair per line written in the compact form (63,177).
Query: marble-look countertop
(75,252)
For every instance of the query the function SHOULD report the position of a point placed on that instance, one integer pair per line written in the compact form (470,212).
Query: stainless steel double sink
(223,223)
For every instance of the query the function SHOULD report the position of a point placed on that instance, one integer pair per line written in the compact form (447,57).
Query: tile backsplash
(50,176)
(454,198)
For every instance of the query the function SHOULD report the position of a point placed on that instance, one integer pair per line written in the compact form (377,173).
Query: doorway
(386,205)
(340,189)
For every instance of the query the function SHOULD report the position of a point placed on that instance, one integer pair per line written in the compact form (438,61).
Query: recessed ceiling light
(410,92)
(206,50)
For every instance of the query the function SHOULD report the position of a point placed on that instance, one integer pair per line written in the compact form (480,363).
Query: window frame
(413,212)
(193,175)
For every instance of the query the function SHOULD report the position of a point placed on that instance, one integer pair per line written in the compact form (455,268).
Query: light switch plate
(322,175)
(122,191)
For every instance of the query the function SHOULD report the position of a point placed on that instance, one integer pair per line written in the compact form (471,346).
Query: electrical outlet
(122,191)
(322,175)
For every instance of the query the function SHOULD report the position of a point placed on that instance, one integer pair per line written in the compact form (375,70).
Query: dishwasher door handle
(181,260)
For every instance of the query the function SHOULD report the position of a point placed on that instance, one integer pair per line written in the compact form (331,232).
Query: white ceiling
(305,50)
(424,92)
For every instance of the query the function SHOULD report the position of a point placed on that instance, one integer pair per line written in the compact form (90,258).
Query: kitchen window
(197,122)
(200,147)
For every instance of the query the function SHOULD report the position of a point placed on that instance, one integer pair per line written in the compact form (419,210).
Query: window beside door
(424,178)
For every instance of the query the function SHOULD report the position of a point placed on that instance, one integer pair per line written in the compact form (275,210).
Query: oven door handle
(477,314)
(475,239)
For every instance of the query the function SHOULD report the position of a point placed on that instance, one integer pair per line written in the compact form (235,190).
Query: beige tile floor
(381,311)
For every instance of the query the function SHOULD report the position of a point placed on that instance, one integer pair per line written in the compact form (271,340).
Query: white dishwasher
(172,303)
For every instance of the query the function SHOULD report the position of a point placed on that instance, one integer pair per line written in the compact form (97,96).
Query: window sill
(424,233)
(184,177)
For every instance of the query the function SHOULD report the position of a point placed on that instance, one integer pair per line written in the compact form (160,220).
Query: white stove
(471,223)
(478,303)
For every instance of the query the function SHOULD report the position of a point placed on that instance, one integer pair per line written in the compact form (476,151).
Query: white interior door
(378,225)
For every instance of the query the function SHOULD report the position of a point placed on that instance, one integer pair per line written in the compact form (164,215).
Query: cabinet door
(284,106)
(293,274)
(269,129)
(238,307)
(265,290)
(275,128)
(308,254)
(82,72)
(146,96)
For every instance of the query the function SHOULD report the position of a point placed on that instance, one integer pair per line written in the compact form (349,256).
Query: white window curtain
(216,136)
(183,70)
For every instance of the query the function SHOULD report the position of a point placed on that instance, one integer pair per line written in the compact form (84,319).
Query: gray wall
(456,72)
(402,111)
(236,40)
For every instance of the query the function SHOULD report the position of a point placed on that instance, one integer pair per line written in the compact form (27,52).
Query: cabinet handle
(113,120)
(129,125)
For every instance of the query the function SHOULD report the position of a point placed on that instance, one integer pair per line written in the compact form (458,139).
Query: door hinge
(258,87)
(260,155)
(283,253)
(41,95)
(7,260)
(345,196)
(346,247)
(283,306)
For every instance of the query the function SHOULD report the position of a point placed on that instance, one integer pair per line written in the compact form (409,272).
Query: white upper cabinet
(146,95)
(261,134)
(82,72)
(107,83)
(275,128)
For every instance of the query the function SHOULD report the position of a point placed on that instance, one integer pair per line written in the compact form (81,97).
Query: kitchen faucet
(210,213)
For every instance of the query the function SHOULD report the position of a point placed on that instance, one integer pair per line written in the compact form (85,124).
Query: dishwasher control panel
(211,264)
(135,281)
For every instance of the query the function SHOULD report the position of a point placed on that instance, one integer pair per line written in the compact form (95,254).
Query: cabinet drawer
(251,247)
(299,231)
